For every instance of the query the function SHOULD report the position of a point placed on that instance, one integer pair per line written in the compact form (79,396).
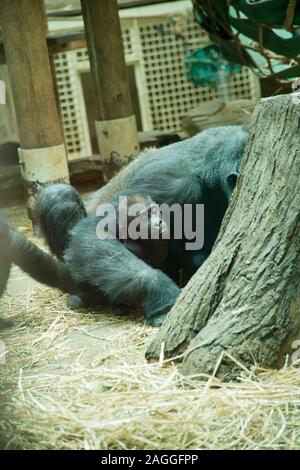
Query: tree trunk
(242,307)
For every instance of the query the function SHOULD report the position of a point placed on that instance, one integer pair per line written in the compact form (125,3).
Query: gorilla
(141,209)
(15,248)
(199,170)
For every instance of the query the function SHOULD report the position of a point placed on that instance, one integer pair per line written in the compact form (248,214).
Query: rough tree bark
(244,302)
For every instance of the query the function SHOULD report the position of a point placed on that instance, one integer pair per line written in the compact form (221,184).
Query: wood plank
(121,5)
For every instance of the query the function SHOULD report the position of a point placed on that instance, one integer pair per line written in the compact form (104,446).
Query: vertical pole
(42,154)
(116,125)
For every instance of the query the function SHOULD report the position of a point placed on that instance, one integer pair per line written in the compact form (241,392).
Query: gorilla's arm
(116,274)
(17,249)
(5,266)
(39,265)
(5,262)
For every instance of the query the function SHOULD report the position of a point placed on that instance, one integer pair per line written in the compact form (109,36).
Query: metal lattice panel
(156,47)
(71,104)
(170,94)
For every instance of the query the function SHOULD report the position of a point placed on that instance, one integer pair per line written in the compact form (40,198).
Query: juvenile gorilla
(200,170)
(72,237)
(148,218)
(15,248)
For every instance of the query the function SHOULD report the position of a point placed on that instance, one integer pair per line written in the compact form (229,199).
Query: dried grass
(75,380)
(79,381)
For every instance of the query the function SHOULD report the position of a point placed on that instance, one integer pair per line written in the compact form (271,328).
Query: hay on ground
(80,381)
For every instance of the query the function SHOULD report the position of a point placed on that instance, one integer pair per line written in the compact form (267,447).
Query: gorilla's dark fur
(201,169)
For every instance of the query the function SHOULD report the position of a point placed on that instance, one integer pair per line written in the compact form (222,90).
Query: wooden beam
(105,46)
(121,5)
(81,170)
(42,153)
(26,53)
(115,124)
(57,42)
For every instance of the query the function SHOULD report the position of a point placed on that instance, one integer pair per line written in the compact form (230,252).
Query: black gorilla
(15,248)
(105,271)
(202,169)
(5,263)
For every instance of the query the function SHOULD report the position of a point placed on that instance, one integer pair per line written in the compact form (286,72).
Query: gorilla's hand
(157,317)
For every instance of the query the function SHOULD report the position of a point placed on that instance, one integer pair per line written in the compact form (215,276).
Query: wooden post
(116,127)
(42,153)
